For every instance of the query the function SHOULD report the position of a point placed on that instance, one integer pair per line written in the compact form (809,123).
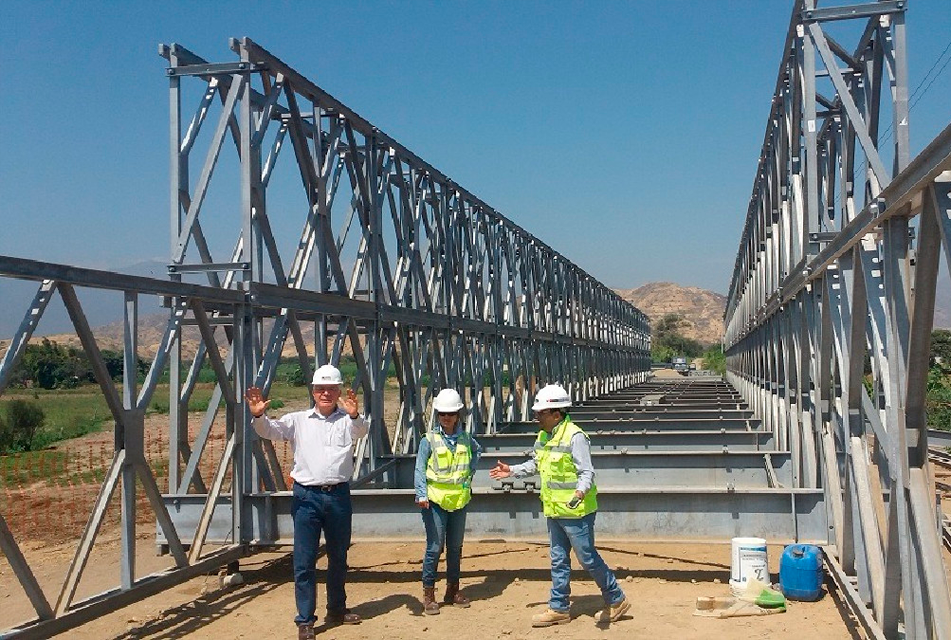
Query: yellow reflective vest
(447,472)
(559,474)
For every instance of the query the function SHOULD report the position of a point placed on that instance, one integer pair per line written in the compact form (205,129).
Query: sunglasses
(326,389)
(446,413)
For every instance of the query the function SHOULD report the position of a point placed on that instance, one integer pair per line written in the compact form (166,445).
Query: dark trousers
(443,529)
(315,510)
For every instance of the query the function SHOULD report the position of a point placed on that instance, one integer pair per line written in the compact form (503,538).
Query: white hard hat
(448,401)
(552,396)
(327,374)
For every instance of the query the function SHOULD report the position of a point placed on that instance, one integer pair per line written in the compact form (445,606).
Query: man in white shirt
(322,440)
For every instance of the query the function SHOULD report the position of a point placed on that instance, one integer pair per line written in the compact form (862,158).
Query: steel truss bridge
(418,281)
(830,310)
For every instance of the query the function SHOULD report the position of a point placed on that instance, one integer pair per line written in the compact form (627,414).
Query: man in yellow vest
(562,457)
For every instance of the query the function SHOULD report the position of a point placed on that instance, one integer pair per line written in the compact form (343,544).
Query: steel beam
(668,513)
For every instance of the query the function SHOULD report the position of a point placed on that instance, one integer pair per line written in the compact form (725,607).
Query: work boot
(430,606)
(550,617)
(454,597)
(613,612)
(305,632)
(343,617)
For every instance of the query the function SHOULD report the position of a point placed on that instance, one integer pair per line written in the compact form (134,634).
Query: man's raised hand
(257,405)
(350,404)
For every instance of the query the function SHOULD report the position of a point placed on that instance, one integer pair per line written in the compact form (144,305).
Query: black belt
(324,487)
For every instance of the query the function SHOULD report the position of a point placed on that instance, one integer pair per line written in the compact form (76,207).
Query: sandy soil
(507,582)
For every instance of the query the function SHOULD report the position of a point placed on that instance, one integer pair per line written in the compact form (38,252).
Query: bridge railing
(391,264)
(832,301)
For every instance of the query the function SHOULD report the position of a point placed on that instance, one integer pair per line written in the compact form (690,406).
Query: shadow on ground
(266,576)
(183,620)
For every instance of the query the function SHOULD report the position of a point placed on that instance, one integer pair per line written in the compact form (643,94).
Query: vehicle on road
(680,365)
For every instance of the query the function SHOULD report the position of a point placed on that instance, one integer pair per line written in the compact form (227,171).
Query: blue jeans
(443,529)
(315,510)
(578,534)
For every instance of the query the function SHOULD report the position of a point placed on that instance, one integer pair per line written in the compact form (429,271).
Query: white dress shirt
(322,445)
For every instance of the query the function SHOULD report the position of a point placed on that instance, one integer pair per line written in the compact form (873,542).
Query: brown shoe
(454,597)
(430,606)
(550,617)
(613,613)
(343,618)
(305,632)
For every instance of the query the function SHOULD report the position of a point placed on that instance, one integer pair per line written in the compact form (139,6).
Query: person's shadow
(592,605)
(493,583)
(381,606)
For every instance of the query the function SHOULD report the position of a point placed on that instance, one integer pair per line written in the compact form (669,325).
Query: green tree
(51,366)
(668,325)
(661,352)
(714,359)
(938,398)
(941,350)
(667,341)
(114,361)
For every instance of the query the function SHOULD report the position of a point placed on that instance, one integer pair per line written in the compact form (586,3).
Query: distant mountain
(702,310)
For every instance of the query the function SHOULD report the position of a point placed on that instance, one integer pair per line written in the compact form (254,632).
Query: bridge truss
(393,265)
(831,305)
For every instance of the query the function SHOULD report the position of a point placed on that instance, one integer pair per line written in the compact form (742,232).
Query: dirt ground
(507,582)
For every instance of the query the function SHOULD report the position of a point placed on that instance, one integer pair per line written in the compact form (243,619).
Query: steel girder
(688,514)
(394,263)
(838,263)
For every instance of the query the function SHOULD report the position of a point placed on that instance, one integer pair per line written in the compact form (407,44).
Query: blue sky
(623,134)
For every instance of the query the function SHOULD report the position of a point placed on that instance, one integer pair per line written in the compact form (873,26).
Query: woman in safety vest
(445,464)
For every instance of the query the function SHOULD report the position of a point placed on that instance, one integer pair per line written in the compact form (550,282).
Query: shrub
(19,426)
(294,376)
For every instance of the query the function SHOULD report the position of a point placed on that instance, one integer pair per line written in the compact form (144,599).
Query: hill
(701,309)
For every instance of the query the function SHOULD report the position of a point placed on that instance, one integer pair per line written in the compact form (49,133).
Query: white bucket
(748,560)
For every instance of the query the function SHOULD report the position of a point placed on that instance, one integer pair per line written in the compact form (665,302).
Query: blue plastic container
(800,572)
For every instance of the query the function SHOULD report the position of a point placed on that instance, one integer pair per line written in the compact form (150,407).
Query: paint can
(748,560)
